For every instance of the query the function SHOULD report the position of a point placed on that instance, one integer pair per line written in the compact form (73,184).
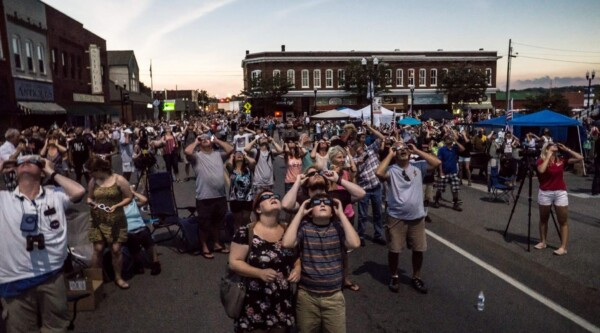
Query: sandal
(207,255)
(221,250)
(123,285)
(352,286)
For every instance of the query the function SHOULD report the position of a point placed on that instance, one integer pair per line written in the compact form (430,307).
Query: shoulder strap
(250,233)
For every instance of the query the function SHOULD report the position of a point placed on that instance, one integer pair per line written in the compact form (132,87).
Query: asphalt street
(525,291)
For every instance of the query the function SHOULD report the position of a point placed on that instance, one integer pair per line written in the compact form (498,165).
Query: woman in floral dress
(269,268)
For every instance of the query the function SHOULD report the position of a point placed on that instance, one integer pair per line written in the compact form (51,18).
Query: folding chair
(500,187)
(163,207)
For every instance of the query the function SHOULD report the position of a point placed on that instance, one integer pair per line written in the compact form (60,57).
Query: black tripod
(529,176)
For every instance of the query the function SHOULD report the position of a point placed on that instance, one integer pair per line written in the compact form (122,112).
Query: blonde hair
(334,151)
(545,147)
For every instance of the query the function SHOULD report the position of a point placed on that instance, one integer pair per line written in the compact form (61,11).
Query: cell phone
(212,138)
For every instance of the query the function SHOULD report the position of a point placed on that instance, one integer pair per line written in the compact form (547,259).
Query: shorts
(558,198)
(463,159)
(452,178)
(401,234)
(128,167)
(211,212)
(138,240)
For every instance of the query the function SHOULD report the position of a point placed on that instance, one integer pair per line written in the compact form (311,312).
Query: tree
(266,91)
(356,79)
(463,84)
(554,101)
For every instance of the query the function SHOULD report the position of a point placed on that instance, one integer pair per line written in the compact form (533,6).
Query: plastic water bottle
(480,301)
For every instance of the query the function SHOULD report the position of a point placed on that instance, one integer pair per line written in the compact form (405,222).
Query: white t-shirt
(241,140)
(16,263)
(405,193)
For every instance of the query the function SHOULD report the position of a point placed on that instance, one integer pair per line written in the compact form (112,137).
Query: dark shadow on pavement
(380,273)
(511,237)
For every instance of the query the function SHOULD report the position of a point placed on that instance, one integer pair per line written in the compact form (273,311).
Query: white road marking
(538,297)
(584,195)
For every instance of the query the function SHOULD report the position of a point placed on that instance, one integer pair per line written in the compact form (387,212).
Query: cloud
(301,6)
(547,81)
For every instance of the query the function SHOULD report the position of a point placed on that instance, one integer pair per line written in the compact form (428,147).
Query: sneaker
(394,284)
(419,285)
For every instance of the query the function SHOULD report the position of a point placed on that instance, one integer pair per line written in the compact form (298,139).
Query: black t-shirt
(103,148)
(79,148)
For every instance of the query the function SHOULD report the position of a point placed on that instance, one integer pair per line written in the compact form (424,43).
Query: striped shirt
(321,256)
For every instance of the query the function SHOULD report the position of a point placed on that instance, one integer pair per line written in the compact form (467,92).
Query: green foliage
(270,89)
(357,78)
(554,101)
(463,84)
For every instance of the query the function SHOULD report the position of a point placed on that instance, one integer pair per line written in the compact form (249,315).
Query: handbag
(232,287)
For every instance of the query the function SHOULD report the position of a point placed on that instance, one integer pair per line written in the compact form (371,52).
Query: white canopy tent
(386,116)
(330,115)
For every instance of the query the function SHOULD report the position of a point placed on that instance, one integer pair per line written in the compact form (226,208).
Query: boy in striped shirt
(322,232)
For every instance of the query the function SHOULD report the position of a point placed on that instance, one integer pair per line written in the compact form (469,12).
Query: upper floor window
(399,78)
(488,74)
(72,65)
(305,79)
(422,77)
(63,63)
(29,55)
(388,77)
(79,67)
(329,78)
(41,59)
(53,55)
(255,76)
(1,50)
(341,78)
(317,78)
(291,78)
(276,77)
(433,77)
(411,77)
(16,45)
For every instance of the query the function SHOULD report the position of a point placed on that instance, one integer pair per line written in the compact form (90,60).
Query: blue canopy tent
(496,122)
(557,123)
(409,121)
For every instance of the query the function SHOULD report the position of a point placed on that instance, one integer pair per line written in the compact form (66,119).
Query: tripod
(529,176)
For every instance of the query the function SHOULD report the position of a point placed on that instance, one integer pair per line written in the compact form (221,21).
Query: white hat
(128,131)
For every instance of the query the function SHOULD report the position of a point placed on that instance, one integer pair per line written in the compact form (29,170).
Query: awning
(44,108)
(81,110)
(477,106)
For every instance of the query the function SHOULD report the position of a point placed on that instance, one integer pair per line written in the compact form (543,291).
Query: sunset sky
(199,44)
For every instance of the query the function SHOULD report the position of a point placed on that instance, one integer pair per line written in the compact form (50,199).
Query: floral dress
(267,304)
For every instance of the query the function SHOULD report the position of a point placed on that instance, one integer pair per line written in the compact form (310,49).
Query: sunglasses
(33,159)
(269,196)
(405,176)
(312,173)
(399,148)
(319,201)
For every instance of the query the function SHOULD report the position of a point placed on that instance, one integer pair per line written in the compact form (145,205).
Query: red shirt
(552,179)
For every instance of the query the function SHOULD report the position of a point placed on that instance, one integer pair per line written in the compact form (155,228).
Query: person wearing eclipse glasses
(405,225)
(33,243)
(320,229)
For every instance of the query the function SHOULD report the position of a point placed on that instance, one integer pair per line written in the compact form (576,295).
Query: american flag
(469,117)
(509,117)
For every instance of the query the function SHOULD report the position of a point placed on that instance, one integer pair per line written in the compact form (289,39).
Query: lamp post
(372,73)
(412,99)
(589,78)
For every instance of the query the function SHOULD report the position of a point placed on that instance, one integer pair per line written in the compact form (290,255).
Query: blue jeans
(374,195)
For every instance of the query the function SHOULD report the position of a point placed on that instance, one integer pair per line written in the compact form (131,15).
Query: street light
(315,106)
(412,99)
(372,72)
(589,78)
(124,98)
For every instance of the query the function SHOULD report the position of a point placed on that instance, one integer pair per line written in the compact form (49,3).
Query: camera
(37,239)
(29,222)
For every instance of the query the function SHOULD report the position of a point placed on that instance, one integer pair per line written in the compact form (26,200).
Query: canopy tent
(330,115)
(557,123)
(436,114)
(497,122)
(386,115)
(409,121)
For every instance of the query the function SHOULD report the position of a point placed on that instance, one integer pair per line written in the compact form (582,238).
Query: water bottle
(480,301)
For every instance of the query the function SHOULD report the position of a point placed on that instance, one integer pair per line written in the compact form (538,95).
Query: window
(388,77)
(29,55)
(16,44)
(53,55)
(291,78)
(64,64)
(341,78)
(399,78)
(276,77)
(329,78)
(422,77)
(433,77)
(488,74)
(41,59)
(445,70)
(79,68)
(317,78)
(72,65)
(305,80)
(255,78)
(411,77)
(1,50)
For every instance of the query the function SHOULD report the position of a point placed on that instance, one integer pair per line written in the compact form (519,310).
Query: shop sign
(33,91)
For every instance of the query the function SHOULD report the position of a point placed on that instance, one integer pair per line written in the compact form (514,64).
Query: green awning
(41,108)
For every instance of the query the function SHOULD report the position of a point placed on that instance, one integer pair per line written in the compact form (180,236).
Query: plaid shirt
(366,177)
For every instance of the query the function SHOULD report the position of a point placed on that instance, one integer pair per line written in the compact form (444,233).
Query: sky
(200,44)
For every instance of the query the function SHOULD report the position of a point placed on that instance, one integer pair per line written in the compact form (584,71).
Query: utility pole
(510,56)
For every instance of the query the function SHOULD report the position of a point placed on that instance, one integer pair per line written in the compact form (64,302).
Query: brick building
(317,77)
(125,93)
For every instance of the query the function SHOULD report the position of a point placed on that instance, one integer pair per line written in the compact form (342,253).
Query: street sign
(247,107)
(169,105)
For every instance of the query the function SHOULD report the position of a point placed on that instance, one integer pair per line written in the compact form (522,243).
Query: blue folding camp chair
(163,207)
(500,187)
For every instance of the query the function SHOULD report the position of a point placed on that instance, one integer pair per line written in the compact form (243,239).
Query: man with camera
(33,243)
(10,150)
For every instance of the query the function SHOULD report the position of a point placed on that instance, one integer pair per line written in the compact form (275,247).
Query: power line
(560,60)
(555,49)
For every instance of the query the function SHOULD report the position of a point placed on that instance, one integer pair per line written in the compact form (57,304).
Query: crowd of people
(292,247)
